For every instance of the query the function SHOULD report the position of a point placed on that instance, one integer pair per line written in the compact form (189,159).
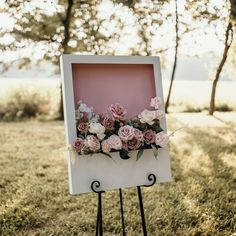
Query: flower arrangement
(110,131)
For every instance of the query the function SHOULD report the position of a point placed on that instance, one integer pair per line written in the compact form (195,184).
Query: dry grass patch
(34,198)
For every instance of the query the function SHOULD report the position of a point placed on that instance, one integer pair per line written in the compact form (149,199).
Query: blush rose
(162,139)
(106,146)
(108,122)
(92,143)
(155,102)
(115,142)
(126,133)
(117,111)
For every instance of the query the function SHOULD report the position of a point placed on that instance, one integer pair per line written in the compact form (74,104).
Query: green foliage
(75,26)
(158,129)
(154,150)
(107,154)
(189,108)
(70,26)
(21,103)
(148,17)
(223,107)
(140,153)
(124,154)
(21,106)
(42,101)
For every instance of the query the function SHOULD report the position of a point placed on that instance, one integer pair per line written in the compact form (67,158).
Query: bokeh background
(196,43)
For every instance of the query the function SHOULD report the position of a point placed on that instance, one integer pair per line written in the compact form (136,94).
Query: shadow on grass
(219,189)
(197,202)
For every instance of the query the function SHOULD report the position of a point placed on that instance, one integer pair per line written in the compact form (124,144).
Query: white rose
(95,119)
(147,116)
(83,107)
(78,115)
(96,128)
(160,114)
(101,136)
(89,111)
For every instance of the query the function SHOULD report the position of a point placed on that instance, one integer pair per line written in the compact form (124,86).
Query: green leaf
(124,154)
(117,125)
(155,150)
(139,154)
(159,129)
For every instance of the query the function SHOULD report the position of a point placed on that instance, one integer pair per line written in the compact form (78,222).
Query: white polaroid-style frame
(116,172)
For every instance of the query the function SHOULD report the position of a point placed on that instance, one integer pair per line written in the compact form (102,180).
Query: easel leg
(142,210)
(99,230)
(97,221)
(122,213)
(95,186)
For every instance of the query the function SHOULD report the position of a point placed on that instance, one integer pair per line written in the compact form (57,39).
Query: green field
(201,200)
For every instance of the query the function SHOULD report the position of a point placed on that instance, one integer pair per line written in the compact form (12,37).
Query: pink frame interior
(100,85)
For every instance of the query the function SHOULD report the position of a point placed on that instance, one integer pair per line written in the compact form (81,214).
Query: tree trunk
(176,56)
(61,106)
(66,23)
(228,42)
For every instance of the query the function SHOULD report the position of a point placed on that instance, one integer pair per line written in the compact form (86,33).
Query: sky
(208,46)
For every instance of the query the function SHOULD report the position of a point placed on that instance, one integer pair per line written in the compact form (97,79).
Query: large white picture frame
(116,173)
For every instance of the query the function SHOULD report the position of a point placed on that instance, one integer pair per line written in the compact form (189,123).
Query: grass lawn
(201,200)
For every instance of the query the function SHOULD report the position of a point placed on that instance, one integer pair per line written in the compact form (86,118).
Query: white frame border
(66,62)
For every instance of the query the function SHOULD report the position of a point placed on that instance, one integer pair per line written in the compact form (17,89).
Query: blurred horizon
(188,68)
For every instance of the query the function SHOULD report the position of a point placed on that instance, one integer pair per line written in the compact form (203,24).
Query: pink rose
(117,111)
(155,102)
(78,144)
(138,134)
(83,127)
(106,146)
(149,136)
(115,142)
(108,122)
(126,133)
(162,139)
(93,143)
(133,144)
(159,114)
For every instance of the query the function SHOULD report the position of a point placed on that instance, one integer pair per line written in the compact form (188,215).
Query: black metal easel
(95,186)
